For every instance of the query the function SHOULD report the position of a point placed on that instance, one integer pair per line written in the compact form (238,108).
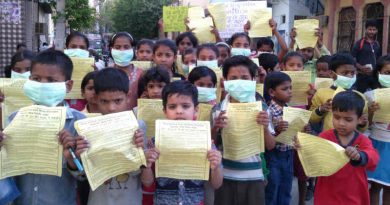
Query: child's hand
(364,120)
(160,24)
(373,108)
(326,107)
(281,126)
(247,26)
(151,156)
(139,138)
(221,121)
(352,153)
(312,90)
(307,129)
(2,138)
(82,145)
(272,23)
(262,118)
(293,34)
(296,143)
(319,34)
(215,157)
(68,141)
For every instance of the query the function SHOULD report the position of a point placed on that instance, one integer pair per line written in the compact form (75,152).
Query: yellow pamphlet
(300,86)
(260,89)
(195,12)
(144,65)
(323,83)
(259,19)
(150,110)
(174,17)
(382,97)
(202,29)
(217,10)
(81,67)
(306,29)
(204,112)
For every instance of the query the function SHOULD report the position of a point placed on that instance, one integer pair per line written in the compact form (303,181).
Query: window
(346,29)
(284,19)
(374,11)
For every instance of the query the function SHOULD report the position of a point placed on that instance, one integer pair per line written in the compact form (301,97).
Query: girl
(20,65)
(224,52)
(144,50)
(380,137)
(88,93)
(205,81)
(121,46)
(189,60)
(152,82)
(186,40)
(76,45)
(164,54)
(293,61)
(207,55)
(240,43)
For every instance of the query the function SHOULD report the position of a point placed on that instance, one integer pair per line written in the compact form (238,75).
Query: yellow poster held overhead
(174,17)
(150,110)
(259,19)
(382,97)
(144,65)
(81,67)
(183,146)
(217,10)
(196,12)
(112,151)
(320,157)
(202,29)
(32,144)
(306,29)
(300,86)
(323,83)
(242,137)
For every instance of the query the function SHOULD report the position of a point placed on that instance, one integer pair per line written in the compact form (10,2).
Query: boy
(111,89)
(243,181)
(348,185)
(343,72)
(180,102)
(49,82)
(322,67)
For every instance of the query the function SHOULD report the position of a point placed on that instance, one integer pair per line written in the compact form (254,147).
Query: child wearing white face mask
(20,65)
(207,55)
(240,43)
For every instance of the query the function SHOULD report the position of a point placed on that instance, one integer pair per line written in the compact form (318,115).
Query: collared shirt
(39,189)
(277,116)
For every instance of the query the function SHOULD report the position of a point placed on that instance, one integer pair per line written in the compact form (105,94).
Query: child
(269,62)
(322,66)
(76,45)
(111,88)
(164,54)
(243,179)
(343,72)
(180,101)
(144,50)
(207,55)
(152,83)
(240,43)
(189,60)
(205,81)
(292,61)
(122,52)
(88,93)
(50,80)
(20,65)
(224,52)
(348,185)
(380,137)
(186,40)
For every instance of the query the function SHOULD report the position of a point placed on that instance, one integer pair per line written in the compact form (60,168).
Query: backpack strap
(361,44)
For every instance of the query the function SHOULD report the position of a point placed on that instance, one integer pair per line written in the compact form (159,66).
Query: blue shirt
(38,189)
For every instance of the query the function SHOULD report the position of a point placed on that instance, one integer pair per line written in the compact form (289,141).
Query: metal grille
(346,29)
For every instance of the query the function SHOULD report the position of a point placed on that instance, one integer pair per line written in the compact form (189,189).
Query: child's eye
(118,101)
(171,107)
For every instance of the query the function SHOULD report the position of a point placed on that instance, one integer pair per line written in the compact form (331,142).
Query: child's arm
(320,49)
(263,119)
(147,174)
(319,109)
(293,35)
(215,31)
(161,33)
(282,43)
(365,155)
(216,176)
(374,106)
(219,123)
(67,140)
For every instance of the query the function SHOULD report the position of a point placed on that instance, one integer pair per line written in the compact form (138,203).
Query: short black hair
(324,59)
(111,79)
(268,61)
(157,73)
(239,61)
(20,45)
(190,36)
(238,35)
(57,58)
(371,23)
(121,34)
(76,34)
(339,59)
(165,42)
(274,79)
(210,46)
(223,45)
(381,62)
(200,72)
(89,76)
(348,100)
(17,57)
(291,55)
(265,41)
(180,87)
(145,42)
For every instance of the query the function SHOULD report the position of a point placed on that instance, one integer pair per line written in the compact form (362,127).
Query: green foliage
(79,15)
(138,17)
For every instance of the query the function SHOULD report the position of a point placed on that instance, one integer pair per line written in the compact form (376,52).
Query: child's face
(241,42)
(344,70)
(239,73)
(122,43)
(323,70)
(189,59)
(265,48)
(385,70)
(45,73)
(89,93)
(184,44)
(207,55)
(345,122)
(164,56)
(154,89)
(180,107)
(282,92)
(77,42)
(294,64)
(22,66)
(112,102)
(145,53)
(223,55)
(307,53)
(205,82)
(261,74)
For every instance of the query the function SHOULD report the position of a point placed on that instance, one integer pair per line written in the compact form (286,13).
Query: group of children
(264,178)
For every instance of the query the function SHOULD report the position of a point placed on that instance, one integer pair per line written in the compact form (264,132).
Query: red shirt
(349,185)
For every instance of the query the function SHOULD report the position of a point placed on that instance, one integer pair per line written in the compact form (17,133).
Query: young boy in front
(243,181)
(343,72)
(48,84)
(349,185)
(111,89)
